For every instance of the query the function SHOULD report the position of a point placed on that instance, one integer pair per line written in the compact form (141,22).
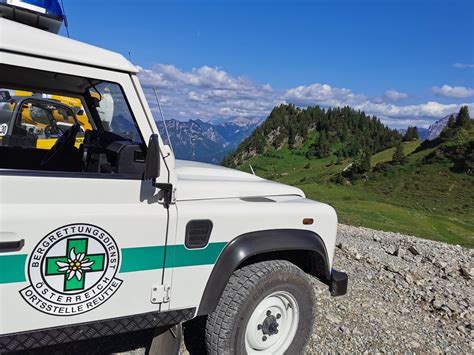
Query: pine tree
(411,134)
(323,146)
(320,149)
(291,137)
(463,120)
(406,136)
(451,122)
(399,156)
(260,146)
(364,162)
(448,132)
(339,158)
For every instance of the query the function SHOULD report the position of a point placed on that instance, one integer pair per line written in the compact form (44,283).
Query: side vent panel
(198,233)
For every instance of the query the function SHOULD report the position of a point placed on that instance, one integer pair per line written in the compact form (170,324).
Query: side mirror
(152,162)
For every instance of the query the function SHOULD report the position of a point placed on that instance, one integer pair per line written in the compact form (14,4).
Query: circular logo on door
(72,270)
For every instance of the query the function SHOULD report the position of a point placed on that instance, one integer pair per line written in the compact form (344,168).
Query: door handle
(6,247)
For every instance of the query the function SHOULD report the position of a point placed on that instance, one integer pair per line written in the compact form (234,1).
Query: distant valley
(206,142)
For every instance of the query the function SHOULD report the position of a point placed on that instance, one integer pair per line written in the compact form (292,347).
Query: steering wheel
(62,145)
(54,129)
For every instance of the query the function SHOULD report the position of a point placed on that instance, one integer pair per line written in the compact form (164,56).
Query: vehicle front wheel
(266,308)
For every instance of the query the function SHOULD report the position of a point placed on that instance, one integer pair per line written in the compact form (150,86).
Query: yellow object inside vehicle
(40,127)
(75,104)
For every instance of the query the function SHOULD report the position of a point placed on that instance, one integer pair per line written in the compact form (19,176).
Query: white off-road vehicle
(115,239)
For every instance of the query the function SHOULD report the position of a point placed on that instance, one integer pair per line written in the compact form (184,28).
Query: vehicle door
(84,243)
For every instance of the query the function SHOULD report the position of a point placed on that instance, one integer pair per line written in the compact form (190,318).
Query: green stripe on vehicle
(12,267)
(150,258)
(140,259)
(180,256)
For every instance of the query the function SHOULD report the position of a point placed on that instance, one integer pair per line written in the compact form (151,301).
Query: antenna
(253,172)
(66,23)
(163,119)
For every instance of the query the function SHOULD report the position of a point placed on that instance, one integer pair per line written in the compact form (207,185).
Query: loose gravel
(405,295)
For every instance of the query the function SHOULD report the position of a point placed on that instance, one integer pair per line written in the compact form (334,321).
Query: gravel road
(405,294)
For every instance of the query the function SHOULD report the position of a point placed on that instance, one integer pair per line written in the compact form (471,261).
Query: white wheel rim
(260,335)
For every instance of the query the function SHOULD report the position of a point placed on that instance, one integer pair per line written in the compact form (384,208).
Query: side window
(114,111)
(85,127)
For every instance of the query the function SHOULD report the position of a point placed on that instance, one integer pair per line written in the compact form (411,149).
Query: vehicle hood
(200,181)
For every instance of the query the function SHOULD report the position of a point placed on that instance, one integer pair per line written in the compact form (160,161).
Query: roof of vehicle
(19,38)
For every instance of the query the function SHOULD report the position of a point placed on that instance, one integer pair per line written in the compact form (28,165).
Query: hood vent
(257,199)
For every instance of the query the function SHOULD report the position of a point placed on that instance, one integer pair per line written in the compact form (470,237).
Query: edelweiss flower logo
(72,270)
(75,265)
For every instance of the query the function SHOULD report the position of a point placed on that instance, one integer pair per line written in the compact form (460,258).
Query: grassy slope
(429,202)
(387,154)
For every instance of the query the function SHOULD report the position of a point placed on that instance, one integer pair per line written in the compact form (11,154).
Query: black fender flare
(252,244)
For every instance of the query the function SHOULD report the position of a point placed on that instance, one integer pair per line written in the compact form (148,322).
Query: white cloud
(430,109)
(194,96)
(322,94)
(212,94)
(207,93)
(394,95)
(325,95)
(454,92)
(463,66)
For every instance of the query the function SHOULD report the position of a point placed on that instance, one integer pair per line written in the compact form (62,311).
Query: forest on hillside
(344,132)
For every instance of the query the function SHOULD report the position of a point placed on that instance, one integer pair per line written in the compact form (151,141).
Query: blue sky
(409,62)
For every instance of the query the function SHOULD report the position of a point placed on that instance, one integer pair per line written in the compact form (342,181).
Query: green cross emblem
(75,265)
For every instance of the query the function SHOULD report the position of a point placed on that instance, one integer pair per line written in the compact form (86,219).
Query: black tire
(247,287)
